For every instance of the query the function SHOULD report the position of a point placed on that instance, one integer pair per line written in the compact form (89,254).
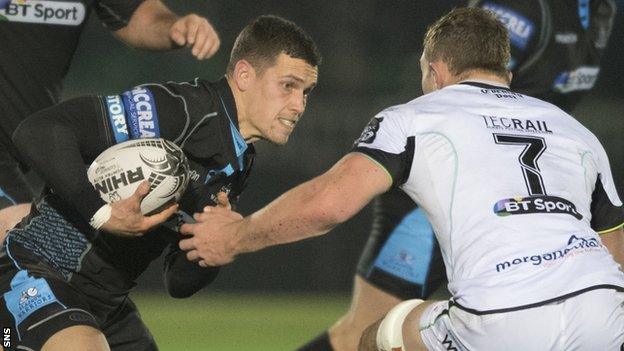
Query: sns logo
(6,337)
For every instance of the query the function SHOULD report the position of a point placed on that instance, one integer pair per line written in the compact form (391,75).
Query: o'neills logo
(535,204)
(43,12)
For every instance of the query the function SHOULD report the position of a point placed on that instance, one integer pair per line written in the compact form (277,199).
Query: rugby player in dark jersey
(556,47)
(38,41)
(64,283)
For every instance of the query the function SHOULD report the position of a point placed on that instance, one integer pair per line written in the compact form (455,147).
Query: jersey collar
(228,105)
(239,147)
(486,84)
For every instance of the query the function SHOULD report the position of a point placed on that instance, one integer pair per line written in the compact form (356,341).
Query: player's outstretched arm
(154,27)
(312,208)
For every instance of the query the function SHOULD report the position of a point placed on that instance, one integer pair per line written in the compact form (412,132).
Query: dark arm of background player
(58,141)
(154,27)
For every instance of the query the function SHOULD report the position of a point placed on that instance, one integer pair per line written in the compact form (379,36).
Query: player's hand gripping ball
(118,171)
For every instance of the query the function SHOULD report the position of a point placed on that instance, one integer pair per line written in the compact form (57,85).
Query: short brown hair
(469,39)
(262,40)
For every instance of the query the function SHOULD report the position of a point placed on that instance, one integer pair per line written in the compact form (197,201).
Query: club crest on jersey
(370,132)
(65,13)
(535,204)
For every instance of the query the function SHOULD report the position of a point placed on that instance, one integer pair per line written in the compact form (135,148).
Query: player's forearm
(310,209)
(53,142)
(303,212)
(315,207)
(149,27)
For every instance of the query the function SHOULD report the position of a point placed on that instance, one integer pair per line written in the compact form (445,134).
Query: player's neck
(244,126)
(482,77)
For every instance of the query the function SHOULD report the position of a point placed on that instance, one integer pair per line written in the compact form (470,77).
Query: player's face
(278,98)
(428,80)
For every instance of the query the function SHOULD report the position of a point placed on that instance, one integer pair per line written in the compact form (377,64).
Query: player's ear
(244,74)
(436,70)
(509,76)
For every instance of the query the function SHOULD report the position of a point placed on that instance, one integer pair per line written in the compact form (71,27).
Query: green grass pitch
(238,322)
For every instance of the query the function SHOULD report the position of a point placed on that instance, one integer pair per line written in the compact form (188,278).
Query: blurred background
(371,50)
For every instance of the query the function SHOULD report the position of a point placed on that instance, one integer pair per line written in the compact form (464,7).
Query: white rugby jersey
(515,189)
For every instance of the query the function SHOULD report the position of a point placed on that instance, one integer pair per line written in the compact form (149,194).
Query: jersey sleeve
(146,111)
(524,23)
(115,14)
(58,141)
(385,142)
(606,206)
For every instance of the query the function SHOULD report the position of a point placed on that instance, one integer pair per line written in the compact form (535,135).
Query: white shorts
(590,321)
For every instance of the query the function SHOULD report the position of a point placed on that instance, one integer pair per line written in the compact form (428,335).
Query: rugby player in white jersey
(520,196)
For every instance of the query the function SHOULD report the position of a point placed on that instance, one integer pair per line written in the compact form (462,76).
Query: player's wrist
(101,216)
(246,237)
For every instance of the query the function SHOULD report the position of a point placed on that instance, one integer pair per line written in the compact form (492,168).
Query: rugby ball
(117,172)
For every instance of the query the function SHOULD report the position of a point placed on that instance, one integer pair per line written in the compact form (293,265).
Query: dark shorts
(402,256)
(38,302)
